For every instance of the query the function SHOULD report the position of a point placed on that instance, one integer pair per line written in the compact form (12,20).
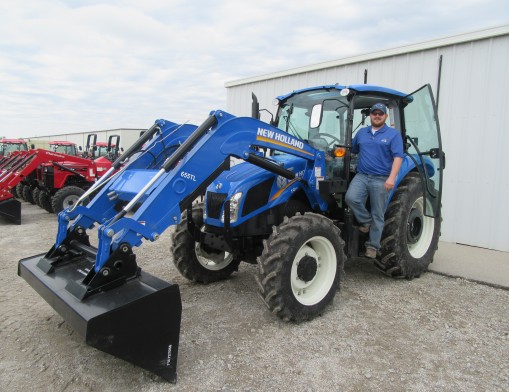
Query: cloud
(69,66)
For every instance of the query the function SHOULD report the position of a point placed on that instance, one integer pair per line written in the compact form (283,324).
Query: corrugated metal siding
(472,108)
(127,136)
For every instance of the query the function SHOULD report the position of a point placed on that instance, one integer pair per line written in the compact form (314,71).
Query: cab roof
(62,143)
(363,88)
(13,141)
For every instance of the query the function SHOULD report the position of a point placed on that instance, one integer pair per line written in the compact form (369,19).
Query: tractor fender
(410,163)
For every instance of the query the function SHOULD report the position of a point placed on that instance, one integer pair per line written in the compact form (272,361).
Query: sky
(82,66)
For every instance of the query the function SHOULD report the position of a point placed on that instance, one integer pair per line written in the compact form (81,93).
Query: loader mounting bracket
(120,266)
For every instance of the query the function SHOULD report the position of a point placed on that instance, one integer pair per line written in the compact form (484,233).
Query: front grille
(257,196)
(214,203)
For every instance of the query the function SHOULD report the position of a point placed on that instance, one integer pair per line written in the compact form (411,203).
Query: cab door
(424,145)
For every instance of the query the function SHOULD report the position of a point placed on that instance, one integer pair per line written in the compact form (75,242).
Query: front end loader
(282,208)
(117,308)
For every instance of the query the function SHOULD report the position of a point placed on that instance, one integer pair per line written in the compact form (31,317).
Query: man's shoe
(364,228)
(370,252)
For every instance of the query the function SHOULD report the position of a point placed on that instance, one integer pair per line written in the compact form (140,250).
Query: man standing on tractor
(380,150)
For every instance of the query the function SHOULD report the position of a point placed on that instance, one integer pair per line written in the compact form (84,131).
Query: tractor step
(138,321)
(11,209)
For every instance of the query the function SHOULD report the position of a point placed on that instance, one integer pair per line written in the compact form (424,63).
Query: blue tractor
(282,208)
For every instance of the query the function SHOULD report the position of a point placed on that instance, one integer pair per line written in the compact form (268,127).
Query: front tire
(14,192)
(45,201)
(27,194)
(65,198)
(300,267)
(19,191)
(410,238)
(35,195)
(196,262)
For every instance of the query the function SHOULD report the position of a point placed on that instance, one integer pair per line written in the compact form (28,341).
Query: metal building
(469,74)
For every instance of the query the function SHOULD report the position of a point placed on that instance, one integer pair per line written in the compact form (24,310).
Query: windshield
(64,149)
(316,116)
(102,151)
(7,148)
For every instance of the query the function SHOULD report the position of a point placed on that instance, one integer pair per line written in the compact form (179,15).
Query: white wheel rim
(313,291)
(70,201)
(212,261)
(419,248)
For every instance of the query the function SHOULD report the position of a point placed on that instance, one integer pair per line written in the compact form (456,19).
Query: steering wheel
(332,137)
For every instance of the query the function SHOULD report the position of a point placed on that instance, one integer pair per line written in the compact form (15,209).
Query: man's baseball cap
(378,106)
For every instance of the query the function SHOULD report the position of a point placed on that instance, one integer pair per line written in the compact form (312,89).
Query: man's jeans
(362,186)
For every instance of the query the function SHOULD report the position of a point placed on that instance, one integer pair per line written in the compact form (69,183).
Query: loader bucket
(138,321)
(11,209)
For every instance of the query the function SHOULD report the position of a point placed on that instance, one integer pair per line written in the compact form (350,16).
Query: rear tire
(410,238)
(195,262)
(65,198)
(300,267)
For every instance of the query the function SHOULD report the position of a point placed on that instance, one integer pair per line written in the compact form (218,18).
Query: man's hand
(391,180)
(389,184)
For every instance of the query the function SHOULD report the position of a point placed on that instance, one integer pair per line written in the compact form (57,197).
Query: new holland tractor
(282,208)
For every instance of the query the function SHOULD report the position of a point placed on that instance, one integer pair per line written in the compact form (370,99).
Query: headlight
(234,207)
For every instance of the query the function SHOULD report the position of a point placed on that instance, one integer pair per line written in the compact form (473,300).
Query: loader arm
(162,194)
(189,171)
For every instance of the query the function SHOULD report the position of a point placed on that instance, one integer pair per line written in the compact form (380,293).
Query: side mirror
(316,116)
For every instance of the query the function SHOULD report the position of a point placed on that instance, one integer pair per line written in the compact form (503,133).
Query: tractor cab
(109,150)
(64,147)
(328,118)
(8,146)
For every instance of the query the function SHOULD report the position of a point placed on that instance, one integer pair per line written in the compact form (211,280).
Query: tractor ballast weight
(283,210)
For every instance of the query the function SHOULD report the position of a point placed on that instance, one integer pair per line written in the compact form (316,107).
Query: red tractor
(60,184)
(64,147)
(27,189)
(18,178)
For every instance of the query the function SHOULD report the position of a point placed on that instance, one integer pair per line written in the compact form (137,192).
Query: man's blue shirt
(377,152)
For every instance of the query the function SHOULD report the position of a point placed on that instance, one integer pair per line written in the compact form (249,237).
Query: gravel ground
(430,334)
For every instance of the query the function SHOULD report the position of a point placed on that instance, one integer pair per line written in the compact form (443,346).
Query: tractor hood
(251,189)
